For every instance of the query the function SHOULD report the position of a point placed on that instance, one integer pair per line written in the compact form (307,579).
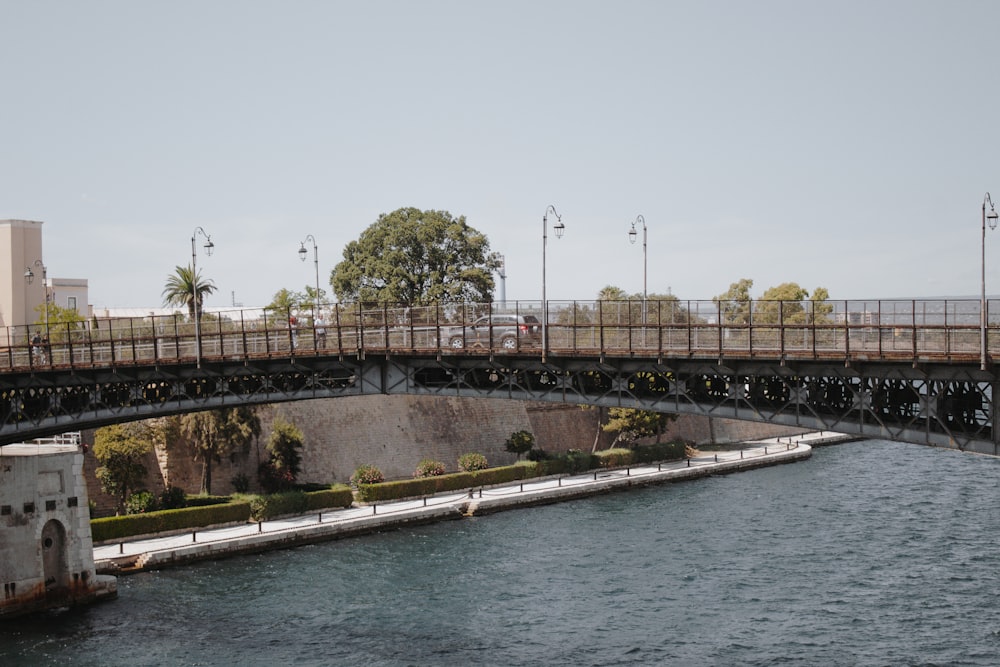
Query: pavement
(135,555)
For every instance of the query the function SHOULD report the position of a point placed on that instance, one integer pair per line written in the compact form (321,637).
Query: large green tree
(415,257)
(215,433)
(121,450)
(631,424)
(182,286)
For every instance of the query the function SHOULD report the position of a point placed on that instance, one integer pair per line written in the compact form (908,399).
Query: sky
(846,145)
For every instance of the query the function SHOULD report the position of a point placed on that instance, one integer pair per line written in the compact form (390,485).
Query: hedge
(117,527)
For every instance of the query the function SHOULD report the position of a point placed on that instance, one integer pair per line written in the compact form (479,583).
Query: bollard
(194,536)
(319,518)
(741,454)
(260,526)
(374,510)
(689,462)
(559,482)
(765,451)
(522,487)
(659,467)
(595,476)
(121,547)
(628,472)
(480,492)
(716,458)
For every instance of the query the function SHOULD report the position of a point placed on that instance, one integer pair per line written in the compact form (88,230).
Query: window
(71,302)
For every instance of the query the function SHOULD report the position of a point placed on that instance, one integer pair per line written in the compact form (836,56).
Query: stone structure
(46,553)
(396,432)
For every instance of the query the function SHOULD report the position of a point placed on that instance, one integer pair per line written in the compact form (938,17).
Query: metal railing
(937,330)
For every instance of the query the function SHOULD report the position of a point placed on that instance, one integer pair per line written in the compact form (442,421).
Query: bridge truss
(939,404)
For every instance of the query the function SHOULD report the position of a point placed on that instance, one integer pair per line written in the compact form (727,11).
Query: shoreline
(151,553)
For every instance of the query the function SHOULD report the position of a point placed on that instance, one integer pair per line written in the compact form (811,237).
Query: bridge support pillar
(46,550)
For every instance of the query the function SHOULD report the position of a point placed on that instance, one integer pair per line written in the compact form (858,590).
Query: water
(870,553)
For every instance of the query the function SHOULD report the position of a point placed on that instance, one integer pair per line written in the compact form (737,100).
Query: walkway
(157,552)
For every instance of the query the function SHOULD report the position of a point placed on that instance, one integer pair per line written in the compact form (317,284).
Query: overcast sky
(846,145)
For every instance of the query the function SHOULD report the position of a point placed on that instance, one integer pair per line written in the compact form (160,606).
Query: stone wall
(396,432)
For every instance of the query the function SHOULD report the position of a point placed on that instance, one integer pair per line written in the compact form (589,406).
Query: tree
(735,302)
(60,320)
(519,442)
(121,449)
(416,257)
(214,433)
(182,285)
(632,424)
(284,445)
(786,303)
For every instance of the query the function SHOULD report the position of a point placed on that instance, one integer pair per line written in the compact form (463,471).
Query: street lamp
(631,238)
(558,228)
(194,287)
(29,277)
(991,217)
(302,255)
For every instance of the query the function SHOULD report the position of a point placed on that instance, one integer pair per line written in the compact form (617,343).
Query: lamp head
(559,228)
(209,246)
(302,251)
(632,234)
(991,217)
(29,275)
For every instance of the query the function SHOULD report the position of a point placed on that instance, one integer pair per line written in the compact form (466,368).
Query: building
(25,283)
(46,551)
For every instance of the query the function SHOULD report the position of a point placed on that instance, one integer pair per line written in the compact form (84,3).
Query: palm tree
(181,287)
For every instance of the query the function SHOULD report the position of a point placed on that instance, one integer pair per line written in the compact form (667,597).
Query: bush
(472,461)
(429,468)
(140,502)
(367,474)
(118,527)
(538,455)
(205,501)
(241,483)
(274,479)
(614,458)
(172,498)
(277,504)
(338,495)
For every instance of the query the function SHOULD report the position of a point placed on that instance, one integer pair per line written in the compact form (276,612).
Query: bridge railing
(898,329)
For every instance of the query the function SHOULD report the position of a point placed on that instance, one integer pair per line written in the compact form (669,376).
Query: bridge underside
(934,404)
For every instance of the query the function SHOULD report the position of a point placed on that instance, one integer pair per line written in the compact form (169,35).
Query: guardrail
(892,330)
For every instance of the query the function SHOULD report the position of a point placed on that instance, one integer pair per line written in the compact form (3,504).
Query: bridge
(918,371)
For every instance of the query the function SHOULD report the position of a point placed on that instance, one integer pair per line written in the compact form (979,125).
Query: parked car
(507,331)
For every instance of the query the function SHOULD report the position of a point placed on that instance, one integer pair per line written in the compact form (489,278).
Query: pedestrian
(36,348)
(293,324)
(320,324)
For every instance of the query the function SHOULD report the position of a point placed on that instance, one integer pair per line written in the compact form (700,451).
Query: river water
(869,553)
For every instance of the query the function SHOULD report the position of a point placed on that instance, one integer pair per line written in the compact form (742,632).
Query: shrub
(338,495)
(274,479)
(241,483)
(140,502)
(277,504)
(118,527)
(472,461)
(172,498)
(367,474)
(538,455)
(614,458)
(204,501)
(429,468)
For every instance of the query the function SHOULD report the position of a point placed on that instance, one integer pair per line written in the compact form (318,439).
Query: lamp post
(558,228)
(990,217)
(194,287)
(302,255)
(632,234)
(29,277)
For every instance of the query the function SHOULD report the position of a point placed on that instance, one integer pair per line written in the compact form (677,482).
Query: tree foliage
(734,303)
(182,286)
(416,257)
(215,433)
(519,442)
(121,450)
(283,445)
(60,320)
(631,424)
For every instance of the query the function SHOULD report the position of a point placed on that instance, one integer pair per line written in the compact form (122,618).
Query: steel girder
(942,405)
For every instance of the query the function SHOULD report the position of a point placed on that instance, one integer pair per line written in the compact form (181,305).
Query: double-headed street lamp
(558,228)
(194,287)
(302,255)
(990,217)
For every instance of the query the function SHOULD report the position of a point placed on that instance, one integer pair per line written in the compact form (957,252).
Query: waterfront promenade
(148,553)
